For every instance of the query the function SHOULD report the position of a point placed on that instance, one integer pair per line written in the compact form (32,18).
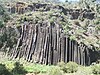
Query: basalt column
(46,43)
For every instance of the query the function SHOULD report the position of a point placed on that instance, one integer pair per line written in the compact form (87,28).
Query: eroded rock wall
(47,44)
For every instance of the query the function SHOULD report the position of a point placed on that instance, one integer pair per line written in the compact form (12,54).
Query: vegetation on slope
(85,28)
(22,67)
(80,21)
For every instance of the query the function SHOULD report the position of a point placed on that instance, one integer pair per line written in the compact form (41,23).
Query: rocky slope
(80,22)
(50,33)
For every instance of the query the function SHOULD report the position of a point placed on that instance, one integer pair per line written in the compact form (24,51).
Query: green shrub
(84,71)
(4,70)
(55,71)
(71,67)
(1,24)
(96,69)
(18,69)
(62,66)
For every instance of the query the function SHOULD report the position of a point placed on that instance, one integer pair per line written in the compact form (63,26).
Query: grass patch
(70,68)
(29,67)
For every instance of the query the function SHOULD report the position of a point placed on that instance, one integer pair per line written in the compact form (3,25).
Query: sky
(69,0)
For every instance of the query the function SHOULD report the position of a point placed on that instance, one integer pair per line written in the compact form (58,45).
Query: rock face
(47,44)
(21,8)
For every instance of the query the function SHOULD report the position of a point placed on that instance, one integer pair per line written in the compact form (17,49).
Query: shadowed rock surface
(47,44)
(44,32)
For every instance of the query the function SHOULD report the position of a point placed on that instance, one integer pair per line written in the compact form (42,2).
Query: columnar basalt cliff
(47,44)
(21,8)
(42,38)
